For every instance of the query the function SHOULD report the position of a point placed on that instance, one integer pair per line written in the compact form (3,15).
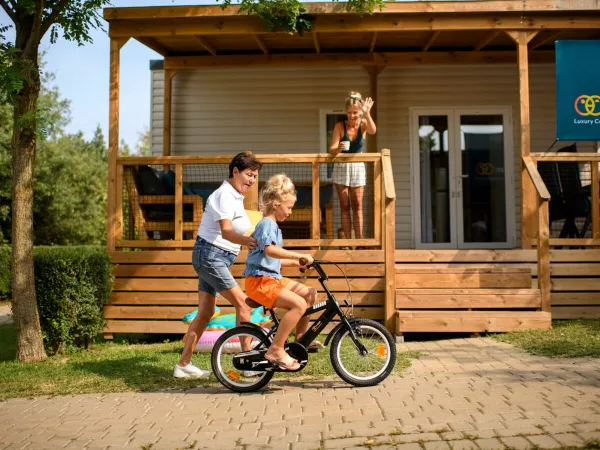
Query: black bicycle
(362,351)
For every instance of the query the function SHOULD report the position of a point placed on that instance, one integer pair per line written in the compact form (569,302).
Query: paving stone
(463,444)
(305,444)
(436,445)
(343,443)
(544,441)
(489,444)
(568,439)
(590,435)
(411,446)
(517,443)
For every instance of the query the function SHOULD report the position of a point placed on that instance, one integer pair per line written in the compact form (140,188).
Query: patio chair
(152,206)
(549,172)
(576,197)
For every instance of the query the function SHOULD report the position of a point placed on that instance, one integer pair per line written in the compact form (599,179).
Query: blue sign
(578,90)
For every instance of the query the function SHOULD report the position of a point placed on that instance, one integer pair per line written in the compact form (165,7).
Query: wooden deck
(153,290)
(436,291)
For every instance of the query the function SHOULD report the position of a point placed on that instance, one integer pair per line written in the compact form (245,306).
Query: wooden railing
(129,210)
(389,235)
(543,232)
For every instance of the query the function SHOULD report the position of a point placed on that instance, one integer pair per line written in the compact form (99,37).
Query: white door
(462,178)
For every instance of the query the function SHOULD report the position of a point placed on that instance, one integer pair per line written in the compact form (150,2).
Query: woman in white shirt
(219,240)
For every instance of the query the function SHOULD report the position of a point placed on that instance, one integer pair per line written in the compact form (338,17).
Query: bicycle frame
(332,309)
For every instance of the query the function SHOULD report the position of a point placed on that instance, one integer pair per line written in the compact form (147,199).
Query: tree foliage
(69,206)
(291,16)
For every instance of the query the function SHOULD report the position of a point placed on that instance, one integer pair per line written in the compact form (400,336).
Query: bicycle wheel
(226,347)
(369,369)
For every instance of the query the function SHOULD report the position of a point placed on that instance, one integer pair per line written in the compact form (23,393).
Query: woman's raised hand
(367,105)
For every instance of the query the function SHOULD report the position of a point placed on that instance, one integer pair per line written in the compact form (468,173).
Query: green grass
(122,367)
(566,339)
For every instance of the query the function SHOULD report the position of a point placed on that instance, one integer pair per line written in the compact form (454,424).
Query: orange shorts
(265,290)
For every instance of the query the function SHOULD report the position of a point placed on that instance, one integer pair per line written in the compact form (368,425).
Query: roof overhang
(443,26)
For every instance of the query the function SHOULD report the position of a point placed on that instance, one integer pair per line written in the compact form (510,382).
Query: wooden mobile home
(458,202)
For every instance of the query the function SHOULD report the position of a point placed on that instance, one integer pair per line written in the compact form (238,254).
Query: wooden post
(178,202)
(316,208)
(595,187)
(373,71)
(528,195)
(119,204)
(113,140)
(390,241)
(378,204)
(543,249)
(168,107)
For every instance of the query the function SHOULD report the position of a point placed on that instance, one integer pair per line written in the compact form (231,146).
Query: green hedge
(5,278)
(72,285)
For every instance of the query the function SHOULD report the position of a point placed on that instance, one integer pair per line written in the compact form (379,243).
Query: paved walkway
(465,393)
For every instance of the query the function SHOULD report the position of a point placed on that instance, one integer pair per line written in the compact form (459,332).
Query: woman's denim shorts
(212,266)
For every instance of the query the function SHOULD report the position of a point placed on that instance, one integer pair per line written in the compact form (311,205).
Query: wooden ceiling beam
(432,37)
(550,37)
(353,59)
(489,37)
(373,41)
(345,24)
(206,44)
(261,44)
(154,45)
(316,42)
(490,6)
(521,37)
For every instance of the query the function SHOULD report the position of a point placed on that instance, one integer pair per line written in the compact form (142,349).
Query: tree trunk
(30,346)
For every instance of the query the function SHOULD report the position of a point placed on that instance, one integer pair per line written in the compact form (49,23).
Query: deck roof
(443,26)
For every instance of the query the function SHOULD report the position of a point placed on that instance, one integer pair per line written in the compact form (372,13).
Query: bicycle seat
(252,304)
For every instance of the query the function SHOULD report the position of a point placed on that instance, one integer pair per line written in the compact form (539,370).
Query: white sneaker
(252,373)
(189,371)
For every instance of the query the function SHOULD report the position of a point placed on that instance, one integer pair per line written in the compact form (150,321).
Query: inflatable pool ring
(219,324)
(189,317)
(209,338)
(227,321)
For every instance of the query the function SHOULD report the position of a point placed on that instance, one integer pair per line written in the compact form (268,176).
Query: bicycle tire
(218,369)
(389,351)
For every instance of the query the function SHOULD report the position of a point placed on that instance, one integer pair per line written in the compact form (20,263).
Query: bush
(5,273)
(72,285)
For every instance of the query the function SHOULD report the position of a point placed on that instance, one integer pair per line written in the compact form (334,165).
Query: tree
(20,85)
(142,146)
(70,200)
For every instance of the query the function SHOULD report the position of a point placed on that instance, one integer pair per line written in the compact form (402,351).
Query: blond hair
(278,189)
(354,99)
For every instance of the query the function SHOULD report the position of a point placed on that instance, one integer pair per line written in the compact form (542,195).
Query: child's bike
(362,351)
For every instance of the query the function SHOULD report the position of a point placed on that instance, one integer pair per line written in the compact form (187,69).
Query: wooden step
(463,278)
(471,321)
(468,298)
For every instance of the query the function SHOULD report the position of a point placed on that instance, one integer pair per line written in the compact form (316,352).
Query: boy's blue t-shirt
(258,263)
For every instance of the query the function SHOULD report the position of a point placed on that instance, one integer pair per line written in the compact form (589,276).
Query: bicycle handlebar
(316,264)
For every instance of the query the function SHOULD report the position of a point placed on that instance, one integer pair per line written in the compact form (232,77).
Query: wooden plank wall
(575,273)
(153,290)
(575,278)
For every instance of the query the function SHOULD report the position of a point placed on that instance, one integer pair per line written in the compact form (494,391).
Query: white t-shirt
(224,203)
